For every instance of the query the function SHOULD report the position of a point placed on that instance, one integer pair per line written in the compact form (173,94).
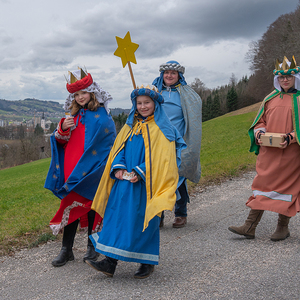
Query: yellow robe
(161,170)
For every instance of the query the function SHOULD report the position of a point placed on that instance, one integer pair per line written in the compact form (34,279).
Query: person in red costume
(80,146)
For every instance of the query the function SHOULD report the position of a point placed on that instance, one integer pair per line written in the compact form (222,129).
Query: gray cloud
(158,32)
(48,41)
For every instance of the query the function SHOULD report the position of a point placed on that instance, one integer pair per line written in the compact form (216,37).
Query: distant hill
(119,111)
(28,108)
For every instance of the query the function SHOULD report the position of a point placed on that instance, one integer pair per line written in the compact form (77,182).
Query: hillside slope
(26,109)
(26,207)
(250,108)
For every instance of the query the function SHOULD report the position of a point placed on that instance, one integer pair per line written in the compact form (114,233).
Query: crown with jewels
(286,67)
(78,80)
(153,88)
(151,92)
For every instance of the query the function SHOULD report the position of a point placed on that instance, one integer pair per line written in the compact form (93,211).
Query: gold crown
(286,67)
(73,77)
(147,87)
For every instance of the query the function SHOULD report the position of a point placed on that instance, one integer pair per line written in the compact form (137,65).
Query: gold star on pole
(126,50)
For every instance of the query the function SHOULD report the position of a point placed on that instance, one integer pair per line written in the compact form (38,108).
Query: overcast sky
(41,40)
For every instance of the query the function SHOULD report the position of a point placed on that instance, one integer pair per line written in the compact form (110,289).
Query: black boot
(106,266)
(66,253)
(90,254)
(63,257)
(144,271)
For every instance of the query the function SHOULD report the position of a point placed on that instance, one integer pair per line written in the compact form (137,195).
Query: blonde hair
(92,105)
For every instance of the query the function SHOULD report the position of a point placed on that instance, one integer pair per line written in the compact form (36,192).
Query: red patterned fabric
(73,206)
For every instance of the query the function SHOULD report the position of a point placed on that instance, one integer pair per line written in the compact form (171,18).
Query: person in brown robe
(276,187)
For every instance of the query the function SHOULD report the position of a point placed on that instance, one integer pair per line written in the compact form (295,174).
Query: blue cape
(191,105)
(100,134)
(160,118)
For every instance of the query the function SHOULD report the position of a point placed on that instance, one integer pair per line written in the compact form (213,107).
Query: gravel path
(200,261)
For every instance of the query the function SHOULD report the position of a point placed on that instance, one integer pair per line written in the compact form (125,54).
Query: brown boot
(179,222)
(248,229)
(282,229)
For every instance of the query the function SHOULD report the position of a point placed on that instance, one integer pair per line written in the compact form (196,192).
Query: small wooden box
(272,139)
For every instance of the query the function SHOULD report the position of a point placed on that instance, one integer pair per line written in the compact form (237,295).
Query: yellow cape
(161,170)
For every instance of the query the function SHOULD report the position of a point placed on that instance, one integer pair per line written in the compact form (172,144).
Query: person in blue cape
(80,146)
(139,182)
(183,106)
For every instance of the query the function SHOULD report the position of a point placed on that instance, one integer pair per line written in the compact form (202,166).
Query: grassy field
(224,149)
(26,207)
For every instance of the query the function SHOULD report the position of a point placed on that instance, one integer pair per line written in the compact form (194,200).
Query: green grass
(225,145)
(26,207)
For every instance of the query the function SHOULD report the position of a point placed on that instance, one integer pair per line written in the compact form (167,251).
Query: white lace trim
(102,96)
(65,218)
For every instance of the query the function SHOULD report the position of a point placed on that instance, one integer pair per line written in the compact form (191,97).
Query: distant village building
(37,120)
(47,125)
(43,122)
(30,123)
(3,123)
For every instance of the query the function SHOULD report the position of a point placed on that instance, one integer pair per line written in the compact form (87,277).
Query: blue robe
(191,106)
(123,238)
(172,108)
(131,211)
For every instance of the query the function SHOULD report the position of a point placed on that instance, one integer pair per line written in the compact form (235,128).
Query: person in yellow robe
(139,182)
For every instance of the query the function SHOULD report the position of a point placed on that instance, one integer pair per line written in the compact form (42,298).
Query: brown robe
(276,187)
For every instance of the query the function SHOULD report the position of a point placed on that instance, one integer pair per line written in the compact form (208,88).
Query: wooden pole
(131,74)
(130,69)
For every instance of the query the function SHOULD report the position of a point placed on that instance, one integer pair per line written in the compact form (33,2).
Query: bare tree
(281,39)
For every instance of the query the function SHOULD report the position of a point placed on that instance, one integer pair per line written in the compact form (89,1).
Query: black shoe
(63,257)
(105,266)
(144,271)
(90,254)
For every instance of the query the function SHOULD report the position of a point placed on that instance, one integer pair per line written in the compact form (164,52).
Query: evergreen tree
(52,127)
(216,105)
(206,109)
(38,130)
(120,120)
(232,99)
